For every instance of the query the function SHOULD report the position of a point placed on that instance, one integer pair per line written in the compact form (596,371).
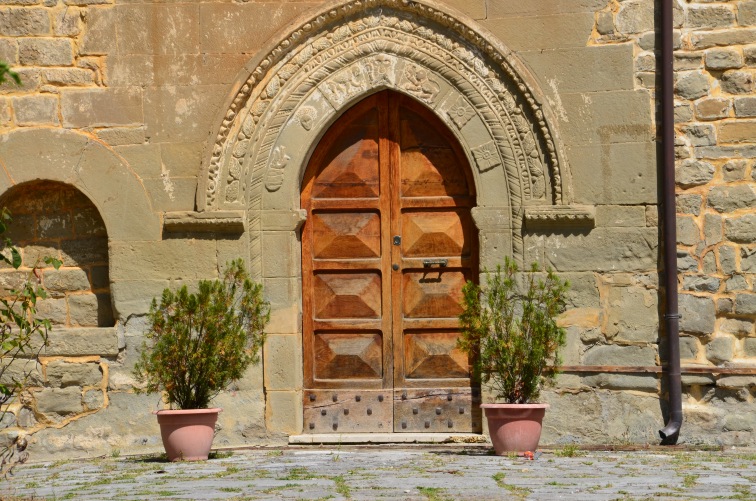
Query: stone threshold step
(387,438)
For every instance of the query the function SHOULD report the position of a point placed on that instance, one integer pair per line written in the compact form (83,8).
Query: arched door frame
(288,97)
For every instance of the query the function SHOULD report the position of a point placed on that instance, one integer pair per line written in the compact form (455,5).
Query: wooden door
(387,246)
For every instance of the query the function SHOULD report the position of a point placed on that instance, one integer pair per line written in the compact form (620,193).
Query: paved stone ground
(406,473)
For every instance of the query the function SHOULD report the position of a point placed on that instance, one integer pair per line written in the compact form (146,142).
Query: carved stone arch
(350,49)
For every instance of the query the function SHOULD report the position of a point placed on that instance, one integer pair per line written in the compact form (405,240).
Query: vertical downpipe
(671,431)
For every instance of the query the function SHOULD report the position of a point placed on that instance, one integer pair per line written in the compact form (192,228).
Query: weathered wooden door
(387,246)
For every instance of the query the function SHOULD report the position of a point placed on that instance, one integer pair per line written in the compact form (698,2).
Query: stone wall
(68,382)
(122,100)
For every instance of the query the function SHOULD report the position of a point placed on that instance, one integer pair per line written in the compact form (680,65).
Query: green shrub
(511,332)
(199,343)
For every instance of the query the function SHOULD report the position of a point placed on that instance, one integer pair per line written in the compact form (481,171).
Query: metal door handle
(427,263)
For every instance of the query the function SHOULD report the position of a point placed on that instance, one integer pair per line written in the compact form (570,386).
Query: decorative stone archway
(289,96)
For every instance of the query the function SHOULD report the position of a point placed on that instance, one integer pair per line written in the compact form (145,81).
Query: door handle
(429,263)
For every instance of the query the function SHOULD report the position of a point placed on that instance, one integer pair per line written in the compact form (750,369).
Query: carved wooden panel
(436,233)
(437,410)
(347,295)
(347,355)
(433,355)
(346,235)
(348,411)
(433,293)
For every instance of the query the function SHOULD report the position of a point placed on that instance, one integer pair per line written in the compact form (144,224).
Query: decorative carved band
(560,216)
(204,222)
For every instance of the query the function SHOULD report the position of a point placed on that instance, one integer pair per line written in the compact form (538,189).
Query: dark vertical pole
(671,431)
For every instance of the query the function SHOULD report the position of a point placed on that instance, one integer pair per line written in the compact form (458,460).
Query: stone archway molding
(83,162)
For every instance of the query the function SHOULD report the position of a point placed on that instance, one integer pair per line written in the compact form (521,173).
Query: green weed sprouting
(197,344)
(511,331)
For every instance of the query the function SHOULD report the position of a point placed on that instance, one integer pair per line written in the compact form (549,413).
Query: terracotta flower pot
(514,427)
(187,434)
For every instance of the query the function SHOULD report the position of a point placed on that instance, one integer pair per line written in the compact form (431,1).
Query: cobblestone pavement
(407,473)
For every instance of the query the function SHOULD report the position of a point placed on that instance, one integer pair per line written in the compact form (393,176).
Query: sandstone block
(631,314)
(99,37)
(741,229)
(56,310)
(736,382)
(75,342)
(102,107)
(745,107)
(83,309)
(620,216)
(710,16)
(68,76)
(723,59)
(117,136)
(738,131)
(712,231)
(282,411)
(683,113)
(697,314)
(652,215)
(88,2)
(736,327)
(20,370)
(688,232)
(749,53)
(685,61)
(727,260)
(694,173)
(737,82)
(748,259)
(63,374)
(749,347)
(634,17)
(689,347)
(747,13)
(734,170)
(166,260)
(713,108)
(169,28)
(745,304)
(701,283)
(700,135)
(36,110)
(59,401)
(605,22)
(66,280)
(620,355)
(692,85)
(720,350)
(697,380)
(281,360)
(623,382)
(68,22)
(28,21)
(631,249)
(45,51)
(686,262)
(190,121)
(522,33)
(9,51)
(94,399)
(84,252)
(709,263)
(688,204)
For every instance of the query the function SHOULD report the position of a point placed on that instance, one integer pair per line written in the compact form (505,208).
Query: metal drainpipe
(671,431)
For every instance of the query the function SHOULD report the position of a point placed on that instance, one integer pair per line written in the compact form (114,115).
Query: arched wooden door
(387,246)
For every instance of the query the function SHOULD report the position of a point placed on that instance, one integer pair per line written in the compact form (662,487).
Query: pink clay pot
(187,434)
(514,427)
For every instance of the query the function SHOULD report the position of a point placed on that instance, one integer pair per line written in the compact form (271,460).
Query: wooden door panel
(433,293)
(346,235)
(347,295)
(436,233)
(434,355)
(348,355)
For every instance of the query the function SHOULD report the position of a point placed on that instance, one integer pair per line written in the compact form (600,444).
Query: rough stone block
(737,82)
(9,51)
(749,53)
(739,422)
(736,283)
(683,113)
(727,260)
(66,280)
(62,374)
(36,110)
(20,369)
(688,232)
(689,347)
(692,85)
(688,204)
(734,170)
(700,135)
(102,107)
(709,16)
(604,249)
(645,382)
(60,401)
(720,350)
(697,380)
(694,173)
(697,314)
(88,223)
(745,304)
(741,229)
(736,327)
(94,399)
(632,315)
(84,252)
(736,382)
(748,259)
(620,355)
(725,305)
(713,108)
(45,51)
(701,283)
(747,13)
(634,17)
(83,310)
(75,77)
(652,216)
(56,310)
(28,21)
(722,38)
(709,263)
(712,230)
(749,347)
(723,59)
(684,61)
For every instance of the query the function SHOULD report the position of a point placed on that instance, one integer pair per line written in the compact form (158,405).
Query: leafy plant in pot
(196,345)
(509,329)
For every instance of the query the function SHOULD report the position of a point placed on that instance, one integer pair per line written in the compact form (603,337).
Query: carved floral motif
(461,112)
(486,156)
